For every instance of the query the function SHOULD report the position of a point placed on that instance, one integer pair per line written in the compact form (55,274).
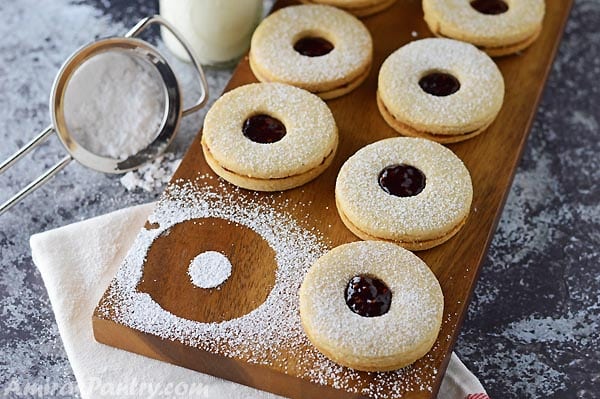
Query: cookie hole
(264,129)
(368,296)
(402,180)
(313,46)
(490,7)
(439,84)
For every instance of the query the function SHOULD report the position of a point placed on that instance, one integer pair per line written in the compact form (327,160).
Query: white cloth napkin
(77,263)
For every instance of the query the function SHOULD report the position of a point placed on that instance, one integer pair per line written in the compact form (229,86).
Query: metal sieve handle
(37,140)
(144,23)
(35,184)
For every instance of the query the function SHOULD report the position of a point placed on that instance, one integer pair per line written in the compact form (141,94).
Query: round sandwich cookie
(360,8)
(498,27)
(441,89)
(269,136)
(409,191)
(371,306)
(319,48)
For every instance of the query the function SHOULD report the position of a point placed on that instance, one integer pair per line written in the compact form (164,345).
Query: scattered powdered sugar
(270,335)
(114,104)
(152,175)
(209,269)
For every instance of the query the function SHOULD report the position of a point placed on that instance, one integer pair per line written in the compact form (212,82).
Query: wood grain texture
(491,158)
(243,292)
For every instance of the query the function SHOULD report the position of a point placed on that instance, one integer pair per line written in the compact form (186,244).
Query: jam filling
(490,7)
(263,129)
(439,84)
(368,296)
(313,46)
(402,180)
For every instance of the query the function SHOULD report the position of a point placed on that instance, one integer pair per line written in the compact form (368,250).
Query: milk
(218,31)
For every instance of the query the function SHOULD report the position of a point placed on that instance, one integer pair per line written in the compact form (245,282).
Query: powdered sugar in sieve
(114,104)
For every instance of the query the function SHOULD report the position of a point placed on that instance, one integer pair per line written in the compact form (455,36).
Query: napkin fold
(77,263)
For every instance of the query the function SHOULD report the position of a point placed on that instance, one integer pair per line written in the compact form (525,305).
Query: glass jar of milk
(218,31)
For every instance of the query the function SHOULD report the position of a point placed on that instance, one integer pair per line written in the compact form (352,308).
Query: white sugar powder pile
(153,175)
(114,104)
(209,269)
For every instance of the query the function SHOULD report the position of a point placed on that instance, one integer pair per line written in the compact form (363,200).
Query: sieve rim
(171,117)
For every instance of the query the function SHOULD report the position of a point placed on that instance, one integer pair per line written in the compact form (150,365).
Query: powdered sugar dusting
(272,48)
(311,131)
(271,335)
(114,104)
(441,206)
(475,104)
(458,19)
(415,314)
(209,269)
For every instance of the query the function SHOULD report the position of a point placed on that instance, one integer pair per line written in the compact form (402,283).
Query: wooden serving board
(491,158)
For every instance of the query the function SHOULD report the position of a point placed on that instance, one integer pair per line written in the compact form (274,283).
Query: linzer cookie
(371,306)
(441,89)
(410,191)
(269,136)
(498,27)
(360,8)
(318,48)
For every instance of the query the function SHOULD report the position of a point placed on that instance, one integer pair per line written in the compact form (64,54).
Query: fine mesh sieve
(139,51)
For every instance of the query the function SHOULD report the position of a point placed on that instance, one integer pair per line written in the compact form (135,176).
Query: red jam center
(490,7)
(313,46)
(402,180)
(439,84)
(368,296)
(263,129)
